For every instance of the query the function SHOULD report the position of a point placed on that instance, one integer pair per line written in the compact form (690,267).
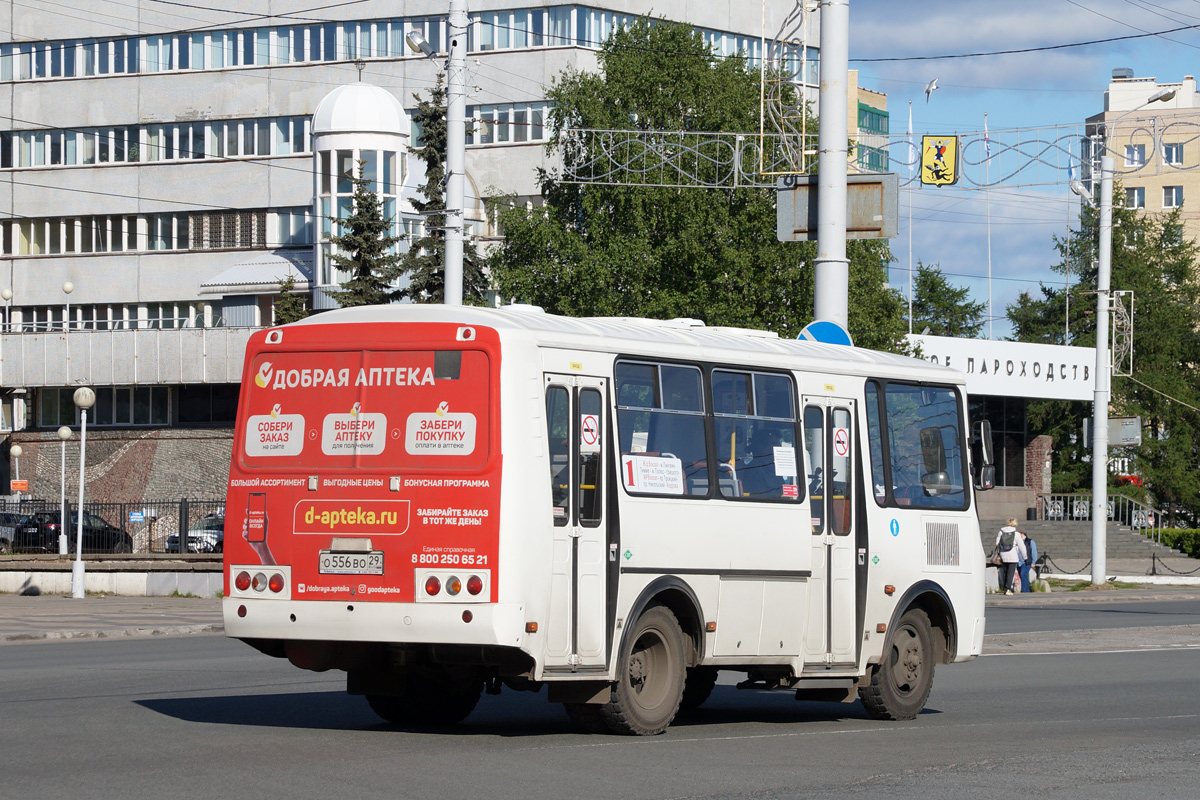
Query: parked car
(38,533)
(205,536)
(9,522)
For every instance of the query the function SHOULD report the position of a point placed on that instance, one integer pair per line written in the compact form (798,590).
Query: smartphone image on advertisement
(256,517)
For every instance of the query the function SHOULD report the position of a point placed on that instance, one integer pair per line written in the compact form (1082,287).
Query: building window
(872,119)
(559,26)
(1135,197)
(1135,155)
(1172,196)
(1173,154)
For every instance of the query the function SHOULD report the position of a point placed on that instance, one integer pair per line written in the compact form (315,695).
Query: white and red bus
(442,500)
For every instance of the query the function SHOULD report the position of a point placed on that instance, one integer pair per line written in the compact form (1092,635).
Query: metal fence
(146,526)
(1121,509)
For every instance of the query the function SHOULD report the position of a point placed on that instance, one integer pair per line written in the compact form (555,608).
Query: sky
(1028,90)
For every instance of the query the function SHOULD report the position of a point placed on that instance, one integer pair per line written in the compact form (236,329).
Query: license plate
(331,563)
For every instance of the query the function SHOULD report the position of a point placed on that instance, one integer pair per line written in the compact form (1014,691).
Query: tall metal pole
(456,150)
(85,398)
(1103,377)
(832,268)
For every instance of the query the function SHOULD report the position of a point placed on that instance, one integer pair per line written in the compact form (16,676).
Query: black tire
(900,684)
(427,702)
(650,676)
(697,687)
(123,545)
(5,547)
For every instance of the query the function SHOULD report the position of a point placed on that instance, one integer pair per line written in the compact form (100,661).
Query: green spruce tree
(944,309)
(424,263)
(289,305)
(365,248)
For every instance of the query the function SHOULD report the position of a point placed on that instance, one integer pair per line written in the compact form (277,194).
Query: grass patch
(1057,584)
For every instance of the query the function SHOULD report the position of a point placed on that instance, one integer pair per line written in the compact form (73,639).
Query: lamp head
(418,44)
(1078,188)
(15,451)
(64,433)
(1161,95)
(84,398)
(68,287)
(6,294)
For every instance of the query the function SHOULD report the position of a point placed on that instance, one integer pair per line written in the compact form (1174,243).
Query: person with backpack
(1027,564)
(1011,547)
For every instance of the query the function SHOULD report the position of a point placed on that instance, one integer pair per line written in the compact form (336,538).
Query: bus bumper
(407,623)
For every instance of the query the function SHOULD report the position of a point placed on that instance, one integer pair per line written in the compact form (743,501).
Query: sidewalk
(57,617)
(49,617)
(1168,571)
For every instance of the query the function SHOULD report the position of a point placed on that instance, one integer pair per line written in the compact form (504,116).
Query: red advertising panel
(357,460)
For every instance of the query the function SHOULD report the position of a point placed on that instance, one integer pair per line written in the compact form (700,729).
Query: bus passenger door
(575,416)
(830,635)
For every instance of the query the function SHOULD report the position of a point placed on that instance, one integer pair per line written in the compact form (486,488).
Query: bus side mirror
(983,440)
(987,477)
(981,451)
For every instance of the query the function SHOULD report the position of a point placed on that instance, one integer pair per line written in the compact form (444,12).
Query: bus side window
(590,465)
(558,435)
(814,446)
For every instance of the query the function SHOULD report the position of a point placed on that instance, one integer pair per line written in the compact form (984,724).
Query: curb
(1151,580)
(115,633)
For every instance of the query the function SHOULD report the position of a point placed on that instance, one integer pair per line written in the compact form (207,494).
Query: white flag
(912,149)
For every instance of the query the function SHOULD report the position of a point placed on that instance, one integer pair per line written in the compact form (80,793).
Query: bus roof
(679,338)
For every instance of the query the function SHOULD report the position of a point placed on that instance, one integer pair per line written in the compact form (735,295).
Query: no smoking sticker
(841,441)
(589,431)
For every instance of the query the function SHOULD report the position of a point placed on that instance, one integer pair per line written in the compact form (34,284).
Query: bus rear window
(389,409)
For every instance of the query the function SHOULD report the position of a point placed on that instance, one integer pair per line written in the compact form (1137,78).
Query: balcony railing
(33,359)
(1121,509)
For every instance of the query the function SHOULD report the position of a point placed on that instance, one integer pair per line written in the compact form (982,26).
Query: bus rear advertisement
(440,501)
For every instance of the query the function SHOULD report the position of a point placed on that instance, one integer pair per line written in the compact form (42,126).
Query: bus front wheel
(900,683)
(650,676)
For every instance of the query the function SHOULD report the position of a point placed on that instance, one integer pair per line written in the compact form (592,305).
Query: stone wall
(1037,463)
(128,466)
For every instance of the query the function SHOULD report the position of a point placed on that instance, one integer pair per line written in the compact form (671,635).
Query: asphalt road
(205,717)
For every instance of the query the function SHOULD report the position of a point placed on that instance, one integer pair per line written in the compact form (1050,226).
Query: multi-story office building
(1153,143)
(160,179)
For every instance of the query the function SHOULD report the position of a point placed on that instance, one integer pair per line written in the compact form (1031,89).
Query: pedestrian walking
(1027,562)
(1010,546)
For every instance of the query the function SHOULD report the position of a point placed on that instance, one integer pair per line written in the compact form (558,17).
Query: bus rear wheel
(901,682)
(650,676)
(427,702)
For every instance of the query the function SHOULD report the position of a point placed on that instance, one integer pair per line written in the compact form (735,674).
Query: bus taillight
(242,582)
(474,584)
(433,585)
(453,585)
(276,583)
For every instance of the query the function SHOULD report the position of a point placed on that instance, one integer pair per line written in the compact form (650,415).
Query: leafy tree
(289,306)
(666,252)
(425,260)
(365,248)
(943,308)
(1151,258)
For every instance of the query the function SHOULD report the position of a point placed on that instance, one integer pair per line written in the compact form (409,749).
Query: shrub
(1185,540)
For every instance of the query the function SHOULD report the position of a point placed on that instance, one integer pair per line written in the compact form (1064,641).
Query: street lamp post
(7,294)
(85,398)
(64,433)
(68,287)
(15,451)
(1103,389)
(456,137)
